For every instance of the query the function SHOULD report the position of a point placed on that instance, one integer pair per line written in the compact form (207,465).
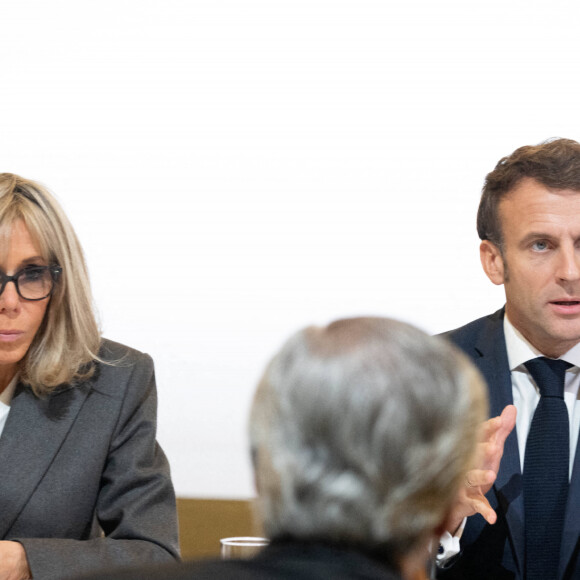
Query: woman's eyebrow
(31,260)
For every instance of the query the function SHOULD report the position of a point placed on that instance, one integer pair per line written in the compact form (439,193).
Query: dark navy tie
(546,466)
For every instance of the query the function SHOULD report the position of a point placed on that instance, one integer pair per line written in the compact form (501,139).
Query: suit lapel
(493,364)
(34,431)
(572,523)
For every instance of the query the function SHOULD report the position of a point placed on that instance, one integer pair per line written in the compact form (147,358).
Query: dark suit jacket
(497,551)
(281,561)
(84,484)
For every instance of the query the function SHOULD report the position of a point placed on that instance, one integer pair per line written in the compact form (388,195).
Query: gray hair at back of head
(361,433)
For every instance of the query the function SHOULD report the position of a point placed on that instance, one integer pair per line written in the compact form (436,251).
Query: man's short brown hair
(554,163)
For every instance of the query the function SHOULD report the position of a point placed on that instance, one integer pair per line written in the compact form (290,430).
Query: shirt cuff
(449,545)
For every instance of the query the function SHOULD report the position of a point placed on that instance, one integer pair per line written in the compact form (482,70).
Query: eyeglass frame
(55,272)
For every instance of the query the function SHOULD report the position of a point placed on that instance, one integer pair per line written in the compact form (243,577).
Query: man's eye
(540,246)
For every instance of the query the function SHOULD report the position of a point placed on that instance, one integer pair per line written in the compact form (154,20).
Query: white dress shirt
(5,400)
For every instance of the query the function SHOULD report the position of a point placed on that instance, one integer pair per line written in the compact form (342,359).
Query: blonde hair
(66,344)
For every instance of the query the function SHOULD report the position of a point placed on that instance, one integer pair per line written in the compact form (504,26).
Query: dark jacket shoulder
(466,336)
(120,365)
(111,351)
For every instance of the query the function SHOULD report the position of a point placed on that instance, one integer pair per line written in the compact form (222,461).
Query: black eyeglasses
(33,282)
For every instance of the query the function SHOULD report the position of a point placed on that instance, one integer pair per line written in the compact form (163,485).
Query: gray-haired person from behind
(361,434)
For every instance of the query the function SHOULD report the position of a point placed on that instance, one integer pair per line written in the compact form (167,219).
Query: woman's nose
(9,299)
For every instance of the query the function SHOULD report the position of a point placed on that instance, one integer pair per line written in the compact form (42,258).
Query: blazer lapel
(33,434)
(571,532)
(493,364)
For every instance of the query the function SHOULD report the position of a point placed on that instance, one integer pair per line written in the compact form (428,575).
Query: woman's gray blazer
(83,484)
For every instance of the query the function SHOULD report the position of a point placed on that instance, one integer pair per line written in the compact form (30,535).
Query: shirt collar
(519,350)
(7,394)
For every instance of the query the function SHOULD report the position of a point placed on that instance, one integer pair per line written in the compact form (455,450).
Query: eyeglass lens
(34,283)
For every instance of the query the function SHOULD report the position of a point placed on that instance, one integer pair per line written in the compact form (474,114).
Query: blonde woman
(84,484)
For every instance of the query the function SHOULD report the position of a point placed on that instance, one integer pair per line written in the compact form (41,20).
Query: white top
(5,400)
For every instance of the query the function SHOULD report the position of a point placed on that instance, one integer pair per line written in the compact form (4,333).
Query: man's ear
(492,262)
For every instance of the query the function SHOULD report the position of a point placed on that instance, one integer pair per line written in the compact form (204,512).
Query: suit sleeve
(136,507)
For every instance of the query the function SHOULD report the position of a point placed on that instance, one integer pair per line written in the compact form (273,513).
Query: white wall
(239,169)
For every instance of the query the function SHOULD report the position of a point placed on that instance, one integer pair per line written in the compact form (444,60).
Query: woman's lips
(10,335)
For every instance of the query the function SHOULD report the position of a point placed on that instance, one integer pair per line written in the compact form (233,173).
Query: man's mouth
(566,307)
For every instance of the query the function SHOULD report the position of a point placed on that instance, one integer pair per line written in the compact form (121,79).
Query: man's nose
(569,267)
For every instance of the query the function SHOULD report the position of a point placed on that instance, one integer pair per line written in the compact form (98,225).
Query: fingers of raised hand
(480,505)
(472,496)
(476,479)
(498,428)
(508,422)
(493,434)
(489,429)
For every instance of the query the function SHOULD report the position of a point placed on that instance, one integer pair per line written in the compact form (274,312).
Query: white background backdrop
(239,169)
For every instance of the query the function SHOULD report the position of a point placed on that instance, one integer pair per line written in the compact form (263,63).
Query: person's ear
(492,262)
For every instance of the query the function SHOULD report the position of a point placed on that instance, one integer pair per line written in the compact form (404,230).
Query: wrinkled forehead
(530,196)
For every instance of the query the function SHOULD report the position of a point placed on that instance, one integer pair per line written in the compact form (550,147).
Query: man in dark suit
(529,224)
(361,434)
